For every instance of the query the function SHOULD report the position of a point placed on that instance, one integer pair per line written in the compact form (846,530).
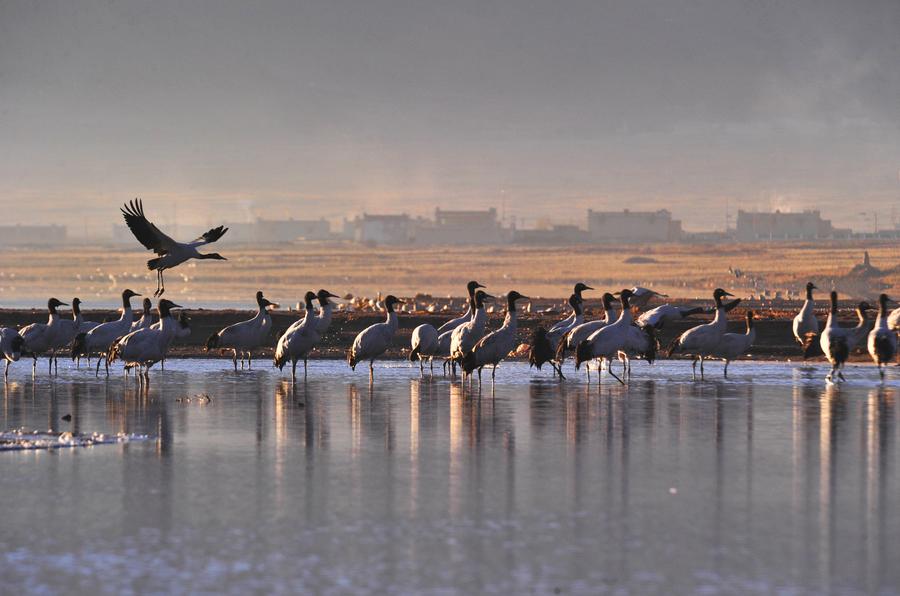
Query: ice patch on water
(22,439)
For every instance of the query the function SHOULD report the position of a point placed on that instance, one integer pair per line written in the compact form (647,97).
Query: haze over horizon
(227,110)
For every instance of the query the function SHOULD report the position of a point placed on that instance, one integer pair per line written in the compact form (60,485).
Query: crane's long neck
(392,319)
(325,314)
(832,314)
(127,313)
(881,322)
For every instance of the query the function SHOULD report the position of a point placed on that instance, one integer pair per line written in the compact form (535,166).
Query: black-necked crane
(11,345)
(833,341)
(735,345)
(606,342)
(171,253)
(640,297)
(805,322)
(143,348)
(700,341)
(470,308)
(424,345)
(464,337)
(146,316)
(567,323)
(882,342)
(244,337)
(99,339)
(299,339)
(375,339)
(496,345)
(42,338)
(581,332)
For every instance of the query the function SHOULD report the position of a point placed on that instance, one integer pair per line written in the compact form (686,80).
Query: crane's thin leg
(6,372)
(249,360)
(701,368)
(97,372)
(493,372)
(726,369)
(421,367)
(234,359)
(371,371)
(293,370)
(694,369)
(304,368)
(431,364)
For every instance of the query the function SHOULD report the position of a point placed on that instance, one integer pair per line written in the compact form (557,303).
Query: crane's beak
(588,288)
(173,305)
(729,294)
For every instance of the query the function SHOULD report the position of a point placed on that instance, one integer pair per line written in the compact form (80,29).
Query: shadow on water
(422,482)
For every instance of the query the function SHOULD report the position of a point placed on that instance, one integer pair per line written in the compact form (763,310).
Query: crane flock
(463,342)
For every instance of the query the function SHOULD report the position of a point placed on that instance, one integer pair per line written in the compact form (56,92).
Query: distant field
(97,274)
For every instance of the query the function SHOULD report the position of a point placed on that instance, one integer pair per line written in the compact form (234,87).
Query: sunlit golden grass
(99,273)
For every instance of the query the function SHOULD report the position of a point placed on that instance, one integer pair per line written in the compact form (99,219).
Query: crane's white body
(805,322)
(882,341)
(496,345)
(145,347)
(11,344)
(244,337)
(640,297)
(424,344)
(374,340)
(834,343)
(464,337)
(41,338)
(734,345)
(701,341)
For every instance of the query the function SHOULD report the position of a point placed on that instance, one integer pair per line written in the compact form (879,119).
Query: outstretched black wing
(210,236)
(146,233)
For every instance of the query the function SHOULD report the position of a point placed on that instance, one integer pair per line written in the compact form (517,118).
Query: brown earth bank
(774,340)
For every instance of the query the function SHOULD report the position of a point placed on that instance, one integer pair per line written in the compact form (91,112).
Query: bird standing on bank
(171,253)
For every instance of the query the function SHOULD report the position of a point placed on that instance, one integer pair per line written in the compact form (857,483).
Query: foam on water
(22,439)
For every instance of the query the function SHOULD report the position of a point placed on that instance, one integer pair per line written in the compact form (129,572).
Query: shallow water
(769,481)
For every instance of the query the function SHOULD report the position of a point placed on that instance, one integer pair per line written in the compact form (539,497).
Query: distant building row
(450,227)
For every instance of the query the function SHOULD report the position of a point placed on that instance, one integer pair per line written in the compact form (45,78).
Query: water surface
(768,481)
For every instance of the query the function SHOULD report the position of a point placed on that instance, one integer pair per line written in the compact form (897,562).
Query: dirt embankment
(774,336)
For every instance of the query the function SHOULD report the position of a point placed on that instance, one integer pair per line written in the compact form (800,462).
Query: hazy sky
(320,108)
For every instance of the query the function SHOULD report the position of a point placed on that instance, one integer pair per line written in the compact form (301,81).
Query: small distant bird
(882,339)
(171,253)
(374,340)
(805,322)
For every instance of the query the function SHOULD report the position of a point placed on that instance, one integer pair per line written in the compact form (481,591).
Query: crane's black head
(324,295)
(129,294)
(215,256)
(165,306)
(148,305)
(750,317)
(864,306)
(580,287)
(480,297)
(53,304)
(883,301)
(390,302)
(608,300)
(76,305)
(834,301)
(512,297)
(718,294)
(624,296)
(810,286)
(184,321)
(472,286)
(262,302)
(308,300)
